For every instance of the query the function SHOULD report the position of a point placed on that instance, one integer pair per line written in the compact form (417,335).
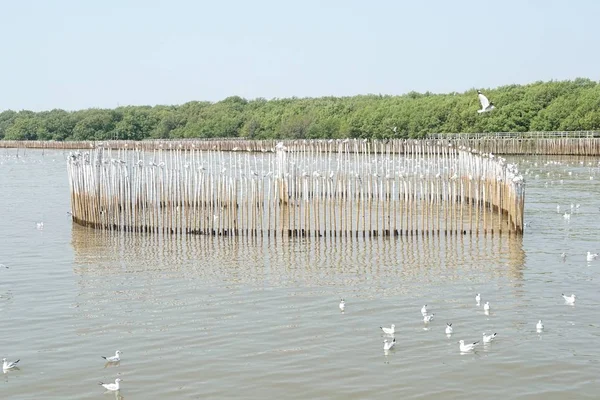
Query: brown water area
(199,316)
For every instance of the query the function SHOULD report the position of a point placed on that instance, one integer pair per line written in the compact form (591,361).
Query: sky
(76,54)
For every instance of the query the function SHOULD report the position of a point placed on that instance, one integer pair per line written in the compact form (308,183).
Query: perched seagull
(388,345)
(563,256)
(558,208)
(567,216)
(6,365)
(428,318)
(389,331)
(486,105)
(115,358)
(342,305)
(488,338)
(40,225)
(591,257)
(111,386)
(424,310)
(449,329)
(539,326)
(478,298)
(467,347)
(569,299)
(486,306)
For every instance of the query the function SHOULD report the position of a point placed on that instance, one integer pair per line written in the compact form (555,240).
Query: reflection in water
(313,261)
(111,364)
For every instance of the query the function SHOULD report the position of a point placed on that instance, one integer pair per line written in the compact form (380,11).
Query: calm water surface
(227,318)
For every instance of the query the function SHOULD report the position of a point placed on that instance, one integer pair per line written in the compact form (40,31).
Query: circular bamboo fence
(334,188)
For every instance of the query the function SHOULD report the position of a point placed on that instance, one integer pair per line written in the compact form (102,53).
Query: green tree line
(540,106)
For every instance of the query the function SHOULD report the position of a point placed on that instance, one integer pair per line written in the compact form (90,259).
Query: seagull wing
(485,103)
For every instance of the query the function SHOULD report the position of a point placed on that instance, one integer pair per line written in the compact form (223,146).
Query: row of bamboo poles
(352,188)
(514,145)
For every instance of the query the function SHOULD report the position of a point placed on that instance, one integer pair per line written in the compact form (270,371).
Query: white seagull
(388,345)
(6,365)
(467,347)
(115,358)
(342,305)
(569,299)
(424,310)
(478,298)
(539,326)
(486,105)
(389,331)
(449,329)
(486,306)
(111,386)
(591,257)
(488,338)
(428,318)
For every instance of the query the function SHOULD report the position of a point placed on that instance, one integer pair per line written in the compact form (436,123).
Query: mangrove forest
(542,106)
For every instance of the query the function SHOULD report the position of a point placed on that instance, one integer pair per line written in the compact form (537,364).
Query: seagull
(569,299)
(388,345)
(115,358)
(591,257)
(449,329)
(486,105)
(467,347)
(539,326)
(40,225)
(424,310)
(488,338)
(567,216)
(389,331)
(486,306)
(478,298)
(6,365)
(563,256)
(428,318)
(558,208)
(111,386)
(342,305)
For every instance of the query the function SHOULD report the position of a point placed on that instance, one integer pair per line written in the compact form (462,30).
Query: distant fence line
(581,143)
(307,188)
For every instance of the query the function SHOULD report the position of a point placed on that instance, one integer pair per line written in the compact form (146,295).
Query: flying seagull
(486,105)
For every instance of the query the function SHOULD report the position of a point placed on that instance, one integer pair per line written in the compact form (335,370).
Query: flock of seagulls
(449,330)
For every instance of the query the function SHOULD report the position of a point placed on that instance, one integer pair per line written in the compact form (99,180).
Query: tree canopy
(540,106)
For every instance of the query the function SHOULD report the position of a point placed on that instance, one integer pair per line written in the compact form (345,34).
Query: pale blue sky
(75,54)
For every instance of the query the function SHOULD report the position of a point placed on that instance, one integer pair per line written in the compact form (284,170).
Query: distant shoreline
(580,143)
